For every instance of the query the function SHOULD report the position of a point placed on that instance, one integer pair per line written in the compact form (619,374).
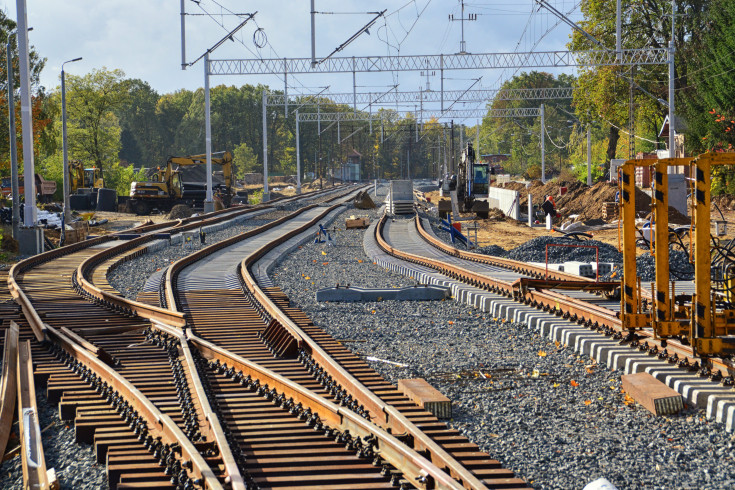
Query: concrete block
(655,396)
(426,396)
(583,269)
(416,293)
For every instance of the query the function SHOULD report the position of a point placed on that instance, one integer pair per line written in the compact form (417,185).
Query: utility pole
(589,155)
(672,47)
(462,19)
(451,146)
(543,146)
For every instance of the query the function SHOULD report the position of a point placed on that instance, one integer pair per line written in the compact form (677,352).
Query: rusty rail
(381,412)
(35,474)
(8,384)
(156,422)
(422,472)
(586,314)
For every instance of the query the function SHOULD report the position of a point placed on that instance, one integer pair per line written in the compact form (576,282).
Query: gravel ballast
(75,464)
(557,419)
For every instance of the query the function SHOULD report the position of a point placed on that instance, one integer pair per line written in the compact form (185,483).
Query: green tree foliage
(709,94)
(244,160)
(93,128)
(603,93)
(520,137)
(40,117)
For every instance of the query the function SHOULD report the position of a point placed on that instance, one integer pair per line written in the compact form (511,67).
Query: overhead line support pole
(543,145)
(672,47)
(29,185)
(313,34)
(208,201)
(183,35)
(266,194)
(298,156)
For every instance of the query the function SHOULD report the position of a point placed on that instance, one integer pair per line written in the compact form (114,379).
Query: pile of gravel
(557,419)
(75,464)
(680,268)
(535,251)
(495,250)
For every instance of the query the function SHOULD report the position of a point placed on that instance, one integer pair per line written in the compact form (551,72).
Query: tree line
(122,125)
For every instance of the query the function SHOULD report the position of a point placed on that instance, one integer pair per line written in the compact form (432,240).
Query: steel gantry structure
(438,62)
(338,117)
(394,96)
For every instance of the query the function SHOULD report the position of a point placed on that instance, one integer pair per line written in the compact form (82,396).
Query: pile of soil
(496,215)
(586,201)
(180,211)
(724,202)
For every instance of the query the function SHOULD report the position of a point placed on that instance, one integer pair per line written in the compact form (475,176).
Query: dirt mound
(580,199)
(496,214)
(180,211)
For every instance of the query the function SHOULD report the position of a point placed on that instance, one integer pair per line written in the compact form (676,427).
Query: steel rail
(234,476)
(391,417)
(8,384)
(386,415)
(35,474)
(422,472)
(158,423)
(174,269)
(583,313)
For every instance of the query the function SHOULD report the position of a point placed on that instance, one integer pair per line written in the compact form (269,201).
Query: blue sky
(143,37)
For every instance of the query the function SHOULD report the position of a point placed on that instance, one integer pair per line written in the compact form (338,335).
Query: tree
(41,118)
(602,93)
(140,138)
(93,129)
(244,160)
(520,137)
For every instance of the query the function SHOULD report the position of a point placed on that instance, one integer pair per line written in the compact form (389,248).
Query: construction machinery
(473,183)
(87,189)
(169,189)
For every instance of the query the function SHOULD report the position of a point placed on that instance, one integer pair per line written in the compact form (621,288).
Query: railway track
(523,292)
(359,439)
(136,398)
(264,328)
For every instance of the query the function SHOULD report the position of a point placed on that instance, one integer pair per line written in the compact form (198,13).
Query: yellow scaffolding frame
(705,327)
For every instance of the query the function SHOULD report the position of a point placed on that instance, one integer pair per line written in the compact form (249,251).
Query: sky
(143,37)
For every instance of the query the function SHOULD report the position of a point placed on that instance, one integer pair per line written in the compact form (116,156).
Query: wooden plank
(8,384)
(655,396)
(426,396)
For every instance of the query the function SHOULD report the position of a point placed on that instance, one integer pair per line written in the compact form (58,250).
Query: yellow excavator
(85,185)
(168,188)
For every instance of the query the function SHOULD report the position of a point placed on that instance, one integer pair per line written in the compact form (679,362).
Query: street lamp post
(67,208)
